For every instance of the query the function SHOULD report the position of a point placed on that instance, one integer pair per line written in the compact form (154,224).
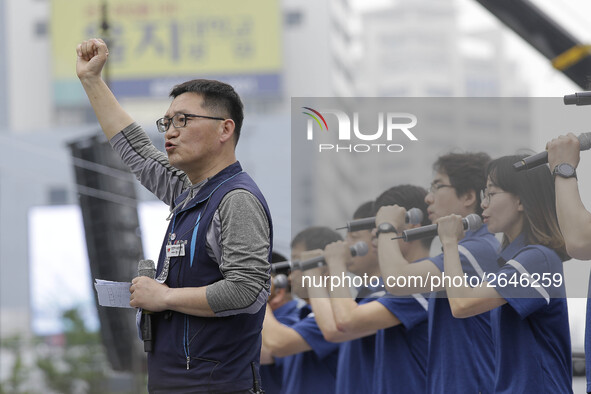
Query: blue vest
(191,353)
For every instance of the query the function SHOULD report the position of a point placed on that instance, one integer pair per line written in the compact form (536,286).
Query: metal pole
(105,29)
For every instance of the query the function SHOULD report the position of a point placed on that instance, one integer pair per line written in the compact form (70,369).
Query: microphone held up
(471,222)
(413,216)
(358,249)
(580,98)
(542,157)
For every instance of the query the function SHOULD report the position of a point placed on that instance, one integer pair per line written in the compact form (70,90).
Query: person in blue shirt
(378,333)
(573,218)
(309,361)
(460,358)
(287,311)
(526,294)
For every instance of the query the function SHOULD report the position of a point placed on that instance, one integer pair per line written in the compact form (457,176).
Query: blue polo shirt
(356,357)
(272,374)
(461,351)
(314,371)
(531,331)
(401,351)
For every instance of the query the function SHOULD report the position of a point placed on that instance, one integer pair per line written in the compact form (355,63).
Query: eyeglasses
(436,186)
(179,120)
(485,195)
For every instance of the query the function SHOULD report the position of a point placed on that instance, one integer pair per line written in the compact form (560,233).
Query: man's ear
(277,298)
(470,199)
(227,130)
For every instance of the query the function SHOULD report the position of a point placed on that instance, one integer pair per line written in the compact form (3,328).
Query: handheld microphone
(413,216)
(280,281)
(581,98)
(359,249)
(470,222)
(542,157)
(147,268)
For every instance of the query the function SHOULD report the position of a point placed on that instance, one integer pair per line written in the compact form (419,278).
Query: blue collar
(476,233)
(512,249)
(370,291)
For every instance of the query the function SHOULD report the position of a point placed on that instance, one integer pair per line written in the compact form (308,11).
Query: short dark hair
(407,196)
(316,237)
(365,210)
(465,172)
(217,96)
(277,257)
(535,190)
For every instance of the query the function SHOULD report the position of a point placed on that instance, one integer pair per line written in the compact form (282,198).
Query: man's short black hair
(219,97)
(316,237)
(365,210)
(277,257)
(407,196)
(465,172)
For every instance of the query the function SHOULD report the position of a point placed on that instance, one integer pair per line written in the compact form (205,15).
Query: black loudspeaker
(108,203)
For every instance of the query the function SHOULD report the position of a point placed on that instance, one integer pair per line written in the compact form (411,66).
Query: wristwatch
(385,228)
(565,170)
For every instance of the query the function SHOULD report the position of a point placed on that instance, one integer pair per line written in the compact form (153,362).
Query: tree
(82,364)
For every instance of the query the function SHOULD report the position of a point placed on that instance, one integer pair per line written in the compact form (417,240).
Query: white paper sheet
(113,294)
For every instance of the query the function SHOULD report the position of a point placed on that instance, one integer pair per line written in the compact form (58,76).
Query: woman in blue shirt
(526,294)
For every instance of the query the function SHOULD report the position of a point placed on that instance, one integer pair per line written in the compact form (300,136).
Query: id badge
(173,250)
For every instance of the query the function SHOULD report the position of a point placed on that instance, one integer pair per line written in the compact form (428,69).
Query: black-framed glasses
(179,120)
(436,186)
(485,195)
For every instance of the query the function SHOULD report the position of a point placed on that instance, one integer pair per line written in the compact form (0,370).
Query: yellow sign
(153,39)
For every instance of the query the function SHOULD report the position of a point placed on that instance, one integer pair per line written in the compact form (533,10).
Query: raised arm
(149,165)
(281,340)
(92,56)
(353,320)
(320,301)
(393,264)
(573,217)
(465,301)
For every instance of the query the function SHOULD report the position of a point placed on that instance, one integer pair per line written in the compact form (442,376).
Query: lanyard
(172,236)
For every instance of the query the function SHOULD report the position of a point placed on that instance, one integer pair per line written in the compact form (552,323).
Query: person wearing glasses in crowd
(460,358)
(213,269)
(526,295)
(573,218)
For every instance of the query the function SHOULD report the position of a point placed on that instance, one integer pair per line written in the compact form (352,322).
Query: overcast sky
(573,15)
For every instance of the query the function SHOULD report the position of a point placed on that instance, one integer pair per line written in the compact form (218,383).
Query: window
(41,29)
(293,18)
